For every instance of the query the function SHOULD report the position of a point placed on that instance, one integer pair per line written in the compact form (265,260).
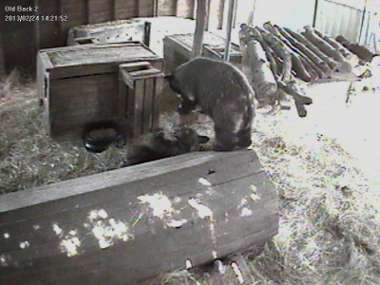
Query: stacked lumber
(276,59)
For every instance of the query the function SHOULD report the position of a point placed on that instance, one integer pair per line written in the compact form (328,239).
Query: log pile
(276,59)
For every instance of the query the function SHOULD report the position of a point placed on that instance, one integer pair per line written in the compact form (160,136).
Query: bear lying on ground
(222,92)
(163,144)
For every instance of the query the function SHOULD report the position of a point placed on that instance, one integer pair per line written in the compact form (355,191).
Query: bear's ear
(203,139)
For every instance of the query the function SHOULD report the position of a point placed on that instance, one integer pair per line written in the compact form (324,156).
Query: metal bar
(362,21)
(230,20)
(315,13)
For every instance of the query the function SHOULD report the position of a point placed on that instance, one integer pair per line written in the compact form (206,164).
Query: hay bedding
(329,222)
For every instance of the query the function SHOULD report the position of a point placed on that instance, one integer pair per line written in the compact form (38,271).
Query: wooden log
(127,225)
(343,66)
(331,41)
(300,100)
(297,50)
(299,57)
(286,77)
(323,63)
(262,78)
(361,51)
(246,32)
(302,39)
(281,51)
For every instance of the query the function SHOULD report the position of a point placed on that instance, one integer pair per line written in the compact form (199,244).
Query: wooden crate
(79,85)
(111,32)
(141,85)
(177,49)
(111,228)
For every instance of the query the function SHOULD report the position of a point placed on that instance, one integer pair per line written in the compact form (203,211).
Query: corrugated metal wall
(336,17)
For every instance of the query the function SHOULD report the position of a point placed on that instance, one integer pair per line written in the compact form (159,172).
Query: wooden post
(128,225)
(231,13)
(200,27)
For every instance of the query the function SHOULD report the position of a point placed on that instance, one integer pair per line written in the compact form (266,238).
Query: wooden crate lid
(91,58)
(211,41)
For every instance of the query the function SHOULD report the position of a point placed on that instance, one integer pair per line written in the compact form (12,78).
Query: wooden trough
(111,32)
(127,225)
(78,86)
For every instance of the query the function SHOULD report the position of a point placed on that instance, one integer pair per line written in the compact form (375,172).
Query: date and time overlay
(31,14)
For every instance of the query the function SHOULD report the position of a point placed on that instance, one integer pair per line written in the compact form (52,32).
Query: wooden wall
(22,40)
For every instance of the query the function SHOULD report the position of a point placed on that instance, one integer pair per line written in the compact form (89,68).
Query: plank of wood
(127,225)
(166,8)
(185,8)
(126,9)
(159,86)
(100,11)
(146,8)
(148,104)
(2,61)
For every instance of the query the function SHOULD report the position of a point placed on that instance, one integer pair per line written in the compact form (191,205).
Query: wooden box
(177,49)
(111,32)
(79,85)
(141,84)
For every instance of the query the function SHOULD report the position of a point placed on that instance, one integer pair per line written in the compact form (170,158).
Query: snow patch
(159,204)
(188,264)
(70,244)
(245,212)
(237,272)
(254,196)
(106,231)
(203,211)
(24,244)
(4,260)
(204,182)
(58,231)
(176,223)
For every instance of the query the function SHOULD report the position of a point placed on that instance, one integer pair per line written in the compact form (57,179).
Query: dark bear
(163,144)
(222,92)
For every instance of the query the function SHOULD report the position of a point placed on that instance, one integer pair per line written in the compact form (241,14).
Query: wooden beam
(127,225)
(200,26)
(230,21)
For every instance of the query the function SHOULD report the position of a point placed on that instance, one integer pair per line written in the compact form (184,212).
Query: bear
(222,92)
(162,144)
